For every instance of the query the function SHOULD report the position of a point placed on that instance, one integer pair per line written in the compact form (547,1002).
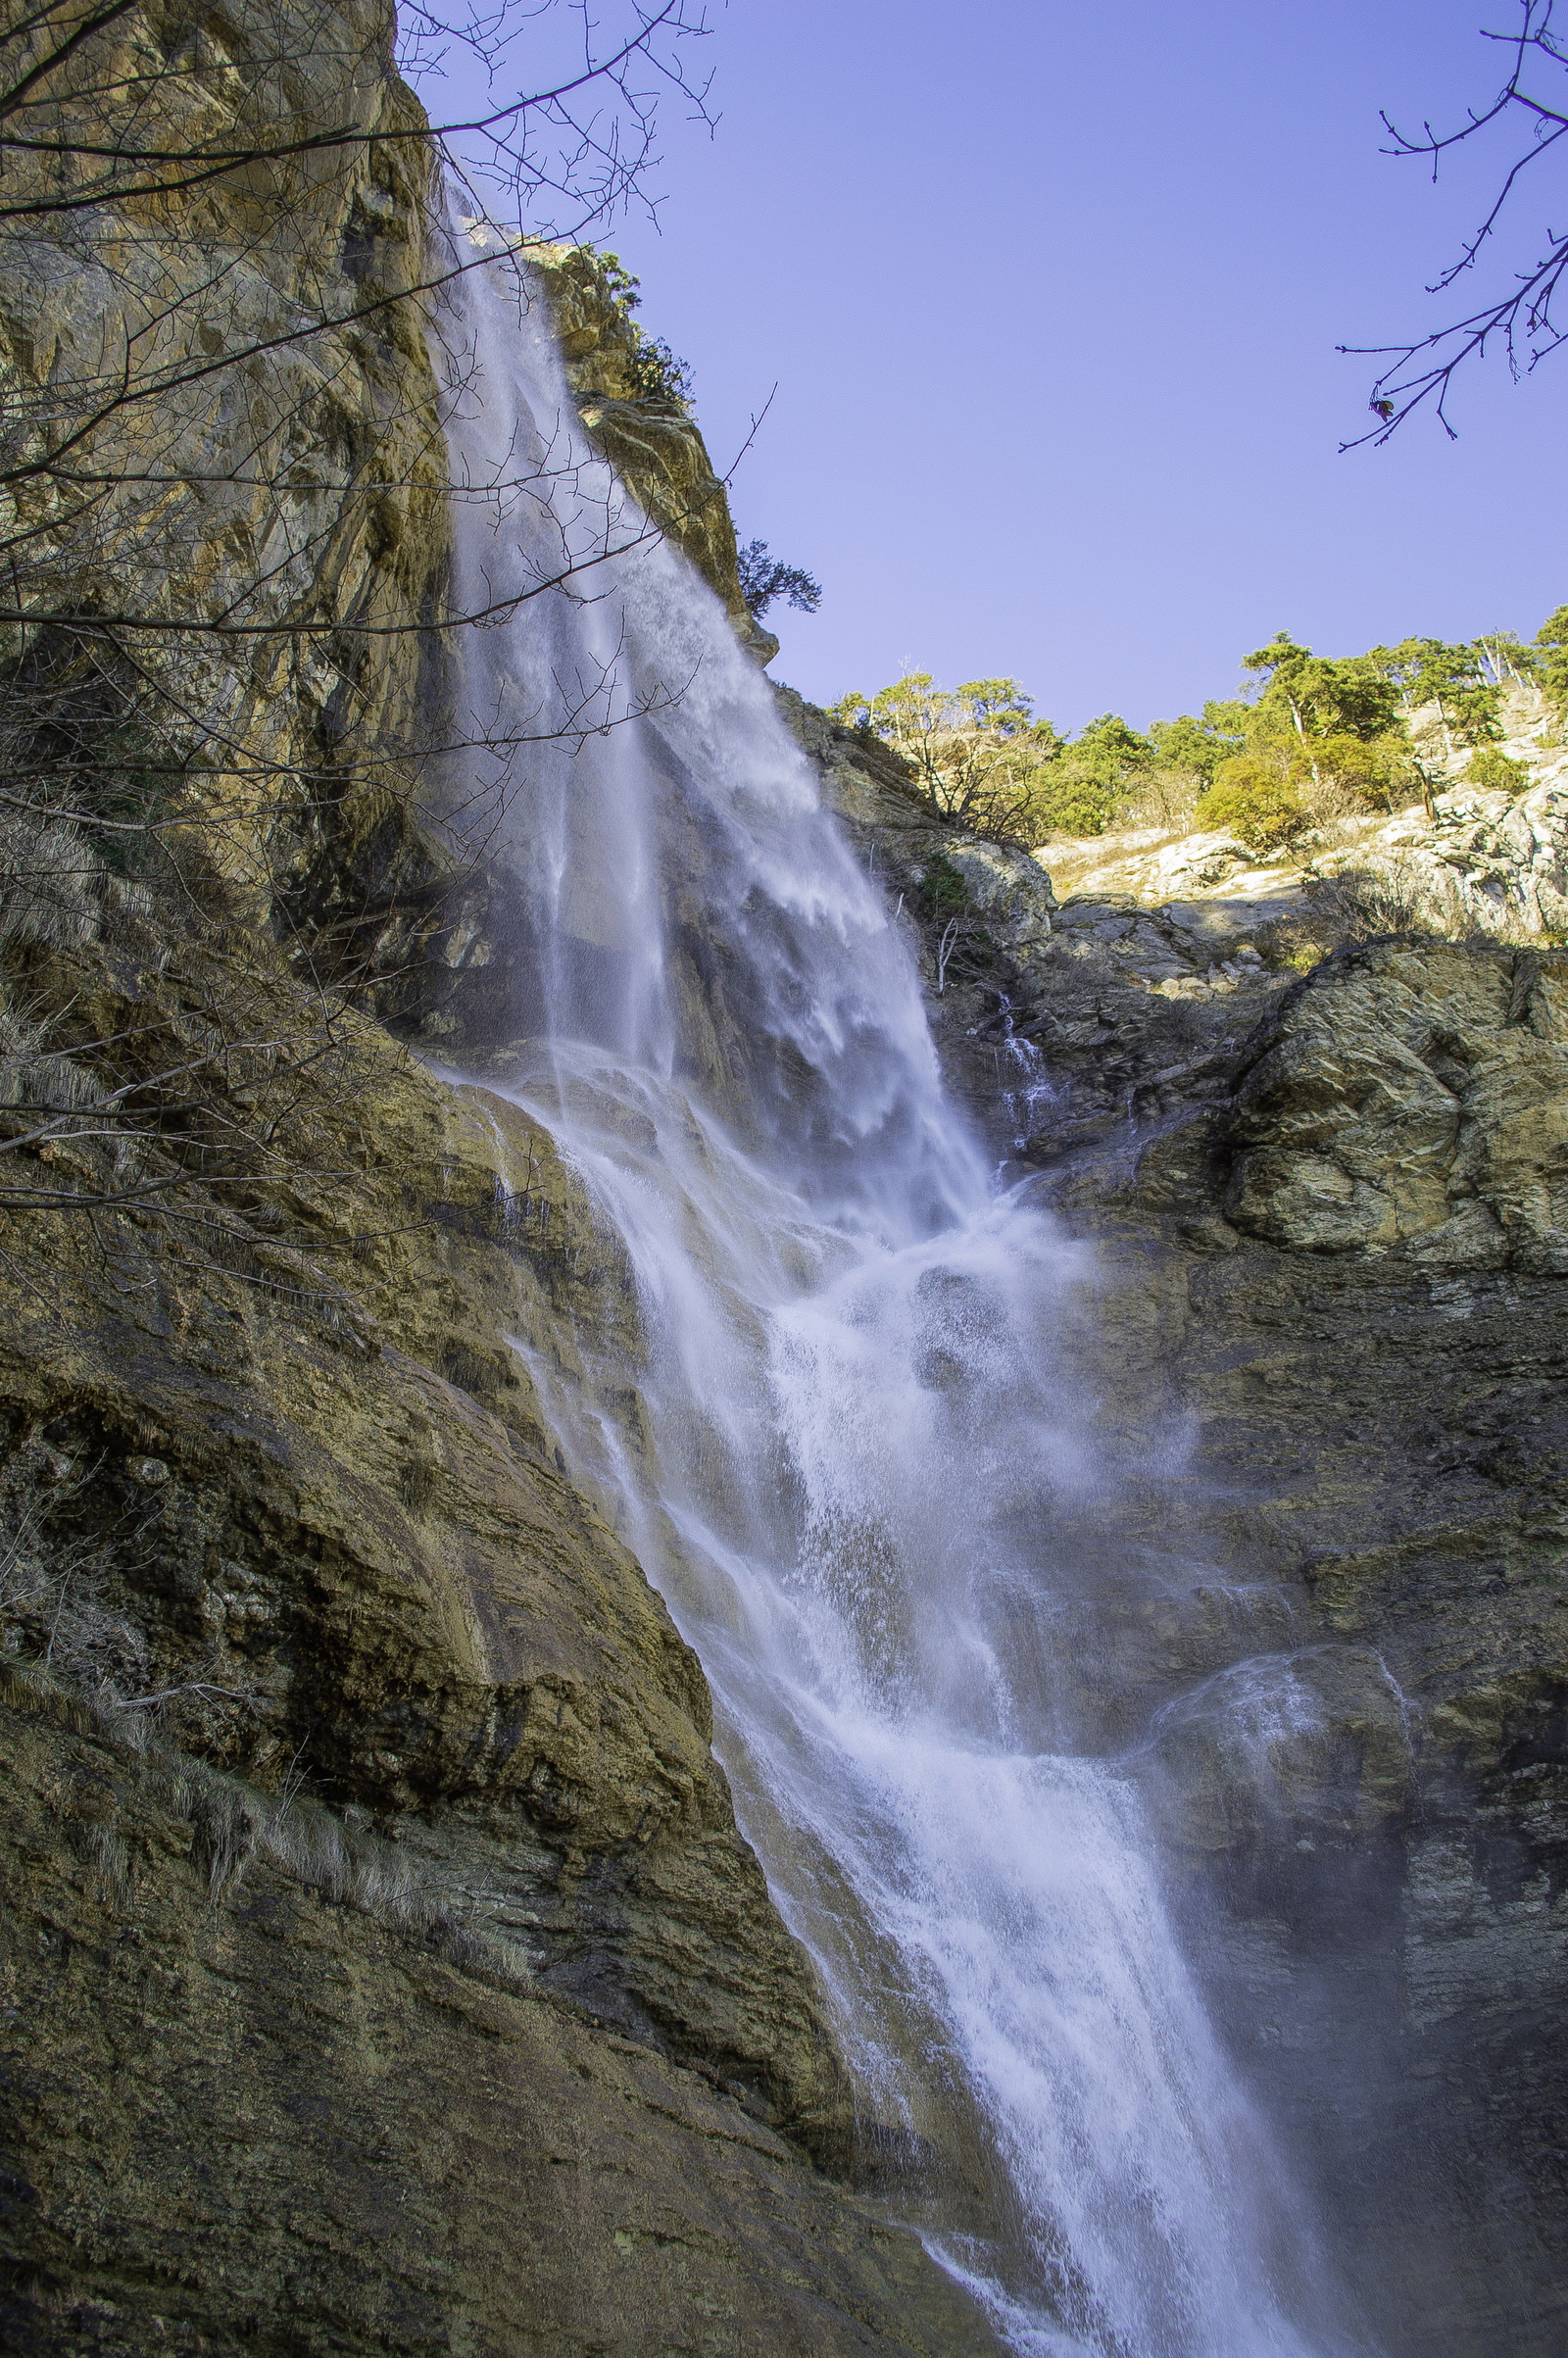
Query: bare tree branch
(1519,320)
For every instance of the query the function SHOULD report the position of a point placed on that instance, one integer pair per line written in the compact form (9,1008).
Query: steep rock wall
(1328,1336)
(382,1966)
(276,2122)
(649,437)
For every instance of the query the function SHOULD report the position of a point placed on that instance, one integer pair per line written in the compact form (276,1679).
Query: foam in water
(860,1450)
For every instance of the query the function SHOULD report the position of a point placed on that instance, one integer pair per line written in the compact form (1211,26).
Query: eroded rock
(1415,1098)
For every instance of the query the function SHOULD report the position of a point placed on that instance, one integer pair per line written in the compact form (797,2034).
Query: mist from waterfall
(855,1450)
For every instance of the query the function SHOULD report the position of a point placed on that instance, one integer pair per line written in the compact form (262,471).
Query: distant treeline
(1309,738)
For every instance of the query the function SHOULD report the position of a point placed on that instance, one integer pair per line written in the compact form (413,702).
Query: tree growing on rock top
(765,579)
(982,758)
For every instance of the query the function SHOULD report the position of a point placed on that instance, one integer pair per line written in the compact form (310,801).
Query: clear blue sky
(1051,293)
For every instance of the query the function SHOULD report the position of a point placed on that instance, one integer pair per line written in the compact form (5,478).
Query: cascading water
(853,1453)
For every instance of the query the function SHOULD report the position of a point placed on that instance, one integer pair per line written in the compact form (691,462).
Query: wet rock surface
(391,1967)
(1359,1505)
(268,2121)
(1328,1579)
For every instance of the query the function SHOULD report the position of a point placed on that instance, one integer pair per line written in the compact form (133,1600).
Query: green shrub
(657,374)
(1497,772)
(942,891)
(1375,772)
(1065,802)
(1253,800)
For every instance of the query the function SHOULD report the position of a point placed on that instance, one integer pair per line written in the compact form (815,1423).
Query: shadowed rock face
(299,479)
(1329,1337)
(403,1973)
(1375,1449)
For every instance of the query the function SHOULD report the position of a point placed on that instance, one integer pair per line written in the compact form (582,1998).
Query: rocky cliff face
(381,1965)
(245,357)
(1330,1215)
(1481,861)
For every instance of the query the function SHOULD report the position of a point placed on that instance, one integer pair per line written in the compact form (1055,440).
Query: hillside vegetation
(1308,739)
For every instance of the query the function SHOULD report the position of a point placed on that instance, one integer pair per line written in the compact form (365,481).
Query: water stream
(855,1456)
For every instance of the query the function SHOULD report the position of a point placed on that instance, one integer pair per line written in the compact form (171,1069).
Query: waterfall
(855,1449)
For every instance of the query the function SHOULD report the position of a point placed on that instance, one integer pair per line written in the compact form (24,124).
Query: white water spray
(858,1453)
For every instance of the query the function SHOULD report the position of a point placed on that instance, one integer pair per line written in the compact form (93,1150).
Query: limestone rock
(1485,860)
(1010,892)
(1415,1100)
(279,2122)
(651,440)
(1149,865)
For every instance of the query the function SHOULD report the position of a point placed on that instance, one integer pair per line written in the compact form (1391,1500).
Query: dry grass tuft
(233,1823)
(111,1863)
(36,1689)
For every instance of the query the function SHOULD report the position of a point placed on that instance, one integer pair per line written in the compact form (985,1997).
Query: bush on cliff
(765,579)
(1254,800)
(1497,772)
(1341,772)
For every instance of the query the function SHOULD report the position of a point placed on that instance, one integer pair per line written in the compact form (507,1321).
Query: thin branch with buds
(1521,321)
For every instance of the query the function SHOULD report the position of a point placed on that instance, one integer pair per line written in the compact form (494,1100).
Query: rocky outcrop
(1154,866)
(647,432)
(1415,1099)
(1056,1021)
(1479,862)
(266,429)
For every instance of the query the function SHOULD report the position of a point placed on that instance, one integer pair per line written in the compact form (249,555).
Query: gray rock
(1412,1099)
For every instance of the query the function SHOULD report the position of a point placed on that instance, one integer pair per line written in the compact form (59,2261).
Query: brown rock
(278,2122)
